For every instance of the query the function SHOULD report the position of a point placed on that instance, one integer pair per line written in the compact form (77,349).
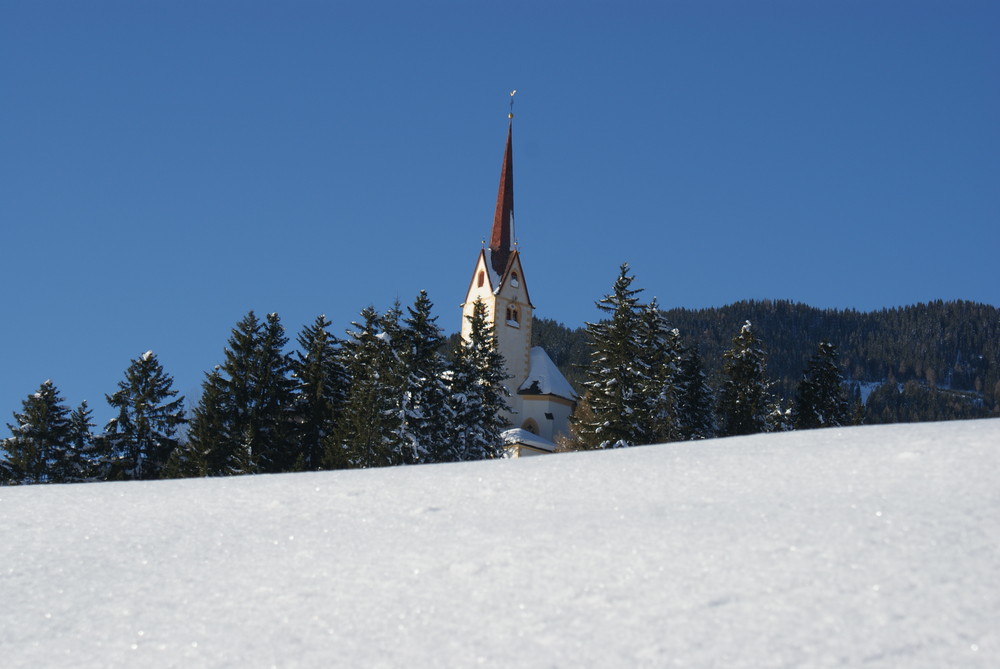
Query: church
(541,399)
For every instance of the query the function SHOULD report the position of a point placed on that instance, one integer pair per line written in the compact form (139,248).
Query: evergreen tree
(857,407)
(40,449)
(274,401)
(321,389)
(86,464)
(614,378)
(779,417)
(694,404)
(744,402)
(427,413)
(371,433)
(244,422)
(478,394)
(209,451)
(820,400)
(149,413)
(659,357)
(6,471)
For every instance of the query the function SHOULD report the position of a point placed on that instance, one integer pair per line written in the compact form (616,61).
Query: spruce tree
(427,413)
(371,431)
(40,449)
(857,407)
(86,464)
(244,422)
(143,434)
(695,415)
(321,388)
(210,450)
(478,395)
(614,377)
(6,472)
(274,401)
(820,401)
(659,358)
(744,400)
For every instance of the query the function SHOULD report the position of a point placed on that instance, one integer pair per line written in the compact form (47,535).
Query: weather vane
(511,114)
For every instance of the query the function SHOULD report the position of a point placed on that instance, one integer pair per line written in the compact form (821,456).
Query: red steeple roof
(501,241)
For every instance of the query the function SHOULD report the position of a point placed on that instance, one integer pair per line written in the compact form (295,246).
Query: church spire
(501,240)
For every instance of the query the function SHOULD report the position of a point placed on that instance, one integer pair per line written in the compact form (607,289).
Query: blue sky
(167,166)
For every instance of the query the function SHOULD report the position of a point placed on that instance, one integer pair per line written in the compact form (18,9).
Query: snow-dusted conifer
(695,415)
(87,465)
(6,472)
(820,399)
(321,388)
(659,358)
(478,394)
(143,434)
(275,400)
(371,430)
(222,439)
(40,449)
(427,413)
(210,449)
(614,376)
(244,422)
(744,402)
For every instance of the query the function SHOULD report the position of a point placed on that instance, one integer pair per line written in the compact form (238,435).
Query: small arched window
(513,279)
(531,426)
(481,280)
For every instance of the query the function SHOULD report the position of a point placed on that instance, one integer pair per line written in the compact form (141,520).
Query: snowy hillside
(874,546)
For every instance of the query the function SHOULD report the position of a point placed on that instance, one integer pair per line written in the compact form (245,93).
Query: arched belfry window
(481,280)
(513,316)
(513,279)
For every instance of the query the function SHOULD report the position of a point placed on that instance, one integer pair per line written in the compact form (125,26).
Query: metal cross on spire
(511,114)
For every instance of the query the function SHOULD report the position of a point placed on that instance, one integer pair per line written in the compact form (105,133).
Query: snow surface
(545,378)
(875,546)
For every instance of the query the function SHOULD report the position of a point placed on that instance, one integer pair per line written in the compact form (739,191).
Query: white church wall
(539,408)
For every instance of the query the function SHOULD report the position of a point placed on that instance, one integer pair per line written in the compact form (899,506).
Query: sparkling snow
(875,546)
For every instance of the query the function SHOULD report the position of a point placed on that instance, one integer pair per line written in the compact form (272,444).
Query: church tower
(498,280)
(541,400)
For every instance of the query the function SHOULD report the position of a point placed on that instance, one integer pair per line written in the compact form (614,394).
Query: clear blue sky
(166,166)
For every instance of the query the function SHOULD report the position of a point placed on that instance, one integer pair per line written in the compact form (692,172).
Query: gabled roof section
(514,265)
(492,280)
(544,378)
(502,237)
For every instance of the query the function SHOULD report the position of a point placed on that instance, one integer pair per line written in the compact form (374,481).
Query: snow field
(875,546)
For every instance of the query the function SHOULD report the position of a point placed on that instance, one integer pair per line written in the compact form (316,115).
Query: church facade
(541,399)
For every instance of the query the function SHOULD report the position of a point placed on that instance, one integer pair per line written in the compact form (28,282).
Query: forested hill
(942,359)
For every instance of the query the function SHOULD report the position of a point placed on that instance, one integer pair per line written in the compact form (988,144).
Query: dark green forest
(936,361)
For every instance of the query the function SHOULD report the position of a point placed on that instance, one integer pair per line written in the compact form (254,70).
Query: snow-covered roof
(521,436)
(544,378)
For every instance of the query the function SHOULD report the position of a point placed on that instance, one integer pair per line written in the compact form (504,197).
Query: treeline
(644,385)
(396,391)
(384,395)
(936,361)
